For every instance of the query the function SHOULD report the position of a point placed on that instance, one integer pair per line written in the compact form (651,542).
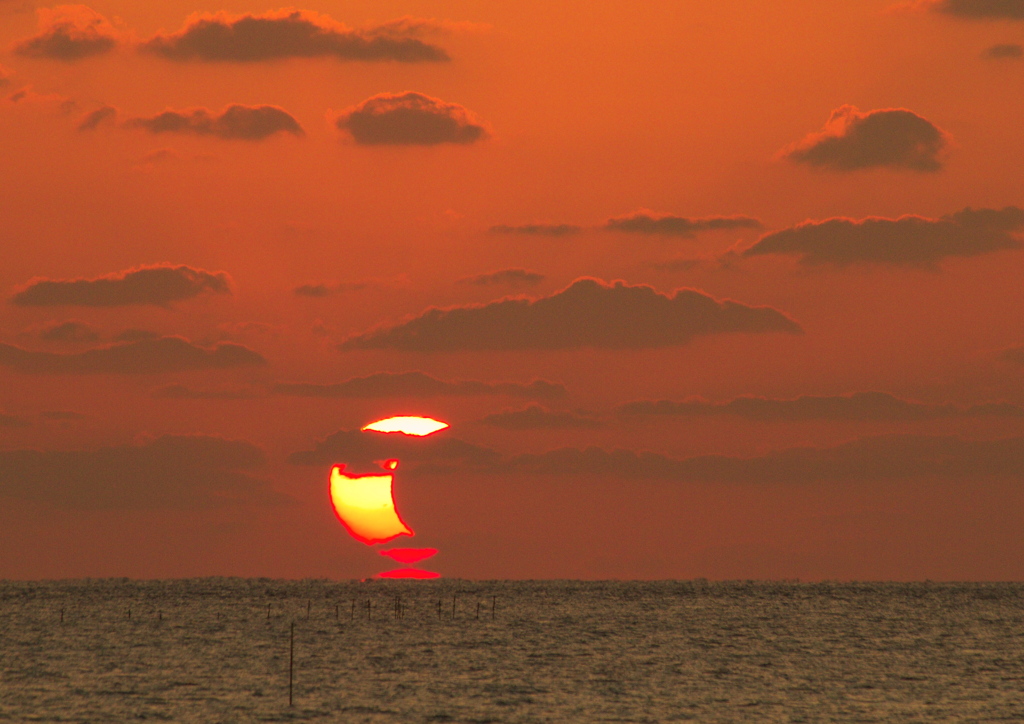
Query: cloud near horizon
(410,119)
(290,33)
(588,313)
(866,459)
(144,356)
(645,221)
(235,123)
(156,285)
(419,384)
(537,229)
(360,450)
(172,471)
(69,331)
(905,241)
(510,277)
(979,9)
(69,33)
(859,406)
(884,138)
(1004,51)
(317,290)
(535,417)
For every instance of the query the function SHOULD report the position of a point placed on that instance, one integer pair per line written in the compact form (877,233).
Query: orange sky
(194,189)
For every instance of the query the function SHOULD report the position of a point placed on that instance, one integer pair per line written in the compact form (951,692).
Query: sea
(261,650)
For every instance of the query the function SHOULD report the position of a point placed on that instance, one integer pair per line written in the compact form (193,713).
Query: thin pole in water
(62,615)
(353,616)
(439,609)
(268,611)
(494,604)
(453,607)
(337,608)
(477,610)
(309,604)
(368,612)
(129,613)
(291,663)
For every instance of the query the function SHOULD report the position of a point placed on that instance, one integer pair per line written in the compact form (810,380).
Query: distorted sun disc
(418,426)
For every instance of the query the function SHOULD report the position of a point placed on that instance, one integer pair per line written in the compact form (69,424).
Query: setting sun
(418,426)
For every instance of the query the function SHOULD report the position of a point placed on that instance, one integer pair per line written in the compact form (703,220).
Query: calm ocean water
(205,650)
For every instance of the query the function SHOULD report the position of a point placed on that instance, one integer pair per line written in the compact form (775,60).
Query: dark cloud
(68,33)
(289,34)
(881,458)
(12,421)
(180,392)
(511,277)
(157,285)
(5,76)
(649,222)
(147,356)
(235,123)
(589,313)
(361,450)
(92,121)
(875,458)
(536,417)
(866,406)
(318,290)
(169,472)
(410,119)
(418,384)
(907,241)
(890,137)
(134,335)
(998,9)
(1004,51)
(537,229)
(70,331)
(1014,354)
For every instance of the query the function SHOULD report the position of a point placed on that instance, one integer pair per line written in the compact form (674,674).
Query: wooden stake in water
(62,615)
(268,611)
(129,614)
(453,607)
(494,604)
(353,616)
(337,607)
(439,609)
(368,612)
(309,605)
(291,663)
(477,610)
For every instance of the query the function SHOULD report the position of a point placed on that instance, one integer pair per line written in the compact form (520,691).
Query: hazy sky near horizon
(710,289)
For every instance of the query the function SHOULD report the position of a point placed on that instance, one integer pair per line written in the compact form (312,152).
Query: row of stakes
(399,610)
(399,613)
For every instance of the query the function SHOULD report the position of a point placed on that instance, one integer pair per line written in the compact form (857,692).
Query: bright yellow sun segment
(419,426)
(364,504)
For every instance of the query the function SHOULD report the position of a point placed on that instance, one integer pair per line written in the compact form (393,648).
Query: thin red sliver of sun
(410,555)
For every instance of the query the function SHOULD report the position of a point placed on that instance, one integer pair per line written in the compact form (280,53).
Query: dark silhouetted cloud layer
(360,450)
(170,472)
(509,277)
(236,123)
(866,406)
(146,356)
(537,229)
(891,137)
(589,313)
(289,34)
(157,285)
(410,119)
(418,384)
(69,33)
(980,9)
(1005,51)
(649,222)
(70,331)
(536,417)
(907,241)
